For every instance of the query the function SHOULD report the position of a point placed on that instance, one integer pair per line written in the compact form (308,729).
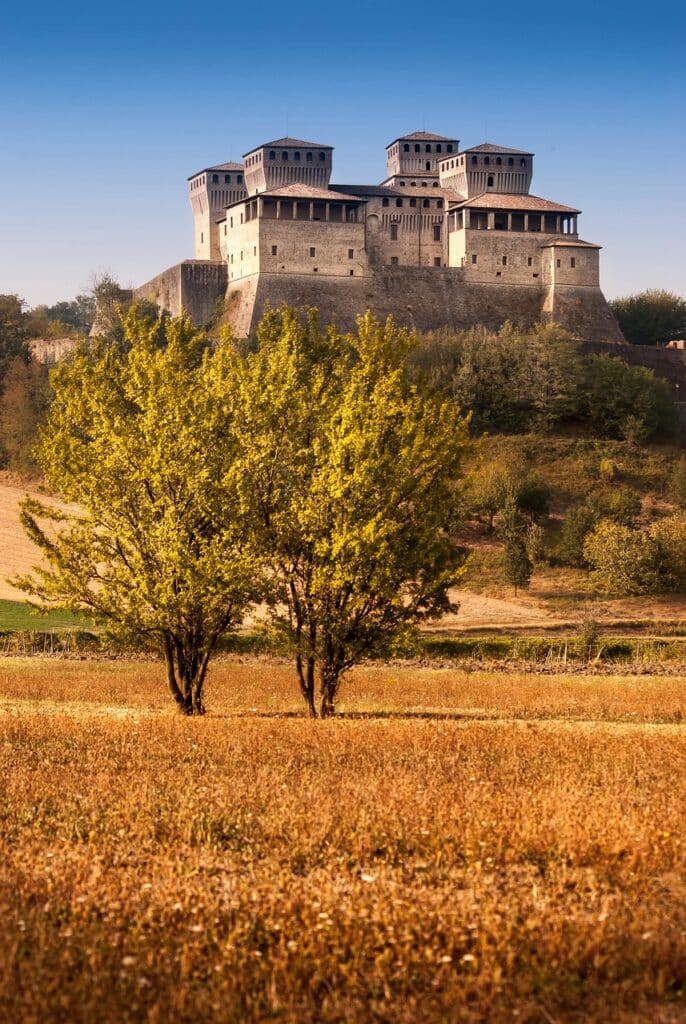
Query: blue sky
(105,110)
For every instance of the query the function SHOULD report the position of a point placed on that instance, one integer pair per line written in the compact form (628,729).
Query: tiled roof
(218,167)
(298,191)
(566,241)
(397,191)
(490,147)
(289,143)
(421,137)
(515,201)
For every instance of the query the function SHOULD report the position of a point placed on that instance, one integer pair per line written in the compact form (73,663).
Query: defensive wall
(425,298)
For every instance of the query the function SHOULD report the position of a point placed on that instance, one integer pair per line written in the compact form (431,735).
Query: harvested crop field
(519,856)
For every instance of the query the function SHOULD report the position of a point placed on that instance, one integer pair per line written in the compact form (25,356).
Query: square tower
(415,157)
(287,162)
(209,192)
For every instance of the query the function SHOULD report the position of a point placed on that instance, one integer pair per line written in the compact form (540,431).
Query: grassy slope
(18,615)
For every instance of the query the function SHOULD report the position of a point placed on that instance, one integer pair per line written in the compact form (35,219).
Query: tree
(140,440)
(23,404)
(350,477)
(677,482)
(621,400)
(580,521)
(652,317)
(13,333)
(623,560)
(517,566)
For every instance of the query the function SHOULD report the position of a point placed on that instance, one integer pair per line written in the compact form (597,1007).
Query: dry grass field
(521,858)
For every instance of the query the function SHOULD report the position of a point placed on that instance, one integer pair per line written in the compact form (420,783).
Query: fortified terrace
(450,238)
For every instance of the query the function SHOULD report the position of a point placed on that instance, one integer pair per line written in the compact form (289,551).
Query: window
(241,218)
(530,262)
(284,155)
(498,160)
(406,148)
(439,204)
(275,250)
(394,261)
(225,229)
(312,250)
(427,165)
(522,162)
(413,202)
(352,272)
(437,261)
(510,162)
(351,253)
(231,222)
(437,232)
(423,184)
(498,273)
(202,237)
(296,156)
(504,261)
(490,181)
(322,156)
(227,179)
(449,147)
(272,154)
(394,232)
(315,270)
(558,262)
(384,202)
(232,257)
(474,161)
(239,179)
(403,184)
(398,202)
(426,202)
(427,148)
(474,259)
(215,179)
(309,158)
(413,184)
(254,250)
(572,262)
(241,254)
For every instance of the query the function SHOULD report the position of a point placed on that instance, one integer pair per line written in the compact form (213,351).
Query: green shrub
(623,561)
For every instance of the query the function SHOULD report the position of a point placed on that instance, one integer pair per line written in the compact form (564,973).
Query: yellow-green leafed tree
(139,439)
(349,478)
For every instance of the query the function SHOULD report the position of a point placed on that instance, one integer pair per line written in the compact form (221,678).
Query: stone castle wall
(194,286)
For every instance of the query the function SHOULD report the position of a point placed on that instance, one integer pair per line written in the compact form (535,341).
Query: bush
(670,536)
(621,399)
(623,561)
(677,482)
(580,521)
(623,505)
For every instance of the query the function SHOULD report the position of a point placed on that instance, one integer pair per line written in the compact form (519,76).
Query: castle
(451,237)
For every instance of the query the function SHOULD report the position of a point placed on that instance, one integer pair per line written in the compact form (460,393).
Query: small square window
(315,269)
(572,262)
(413,202)
(437,261)
(474,259)
(530,262)
(351,253)
(558,262)
(312,250)
(384,202)
(394,261)
(352,273)
(275,250)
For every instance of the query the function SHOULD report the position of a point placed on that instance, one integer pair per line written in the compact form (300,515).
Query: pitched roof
(490,147)
(567,242)
(422,137)
(231,166)
(289,143)
(296,190)
(515,201)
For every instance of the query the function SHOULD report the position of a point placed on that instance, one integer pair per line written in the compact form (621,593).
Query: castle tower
(210,191)
(413,159)
(287,162)
(487,168)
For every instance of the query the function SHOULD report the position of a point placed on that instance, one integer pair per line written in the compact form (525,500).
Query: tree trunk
(329,688)
(184,684)
(306,680)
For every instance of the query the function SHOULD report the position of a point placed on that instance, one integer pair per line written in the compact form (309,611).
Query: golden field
(519,856)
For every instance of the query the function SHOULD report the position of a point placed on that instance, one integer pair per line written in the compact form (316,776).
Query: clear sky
(105,109)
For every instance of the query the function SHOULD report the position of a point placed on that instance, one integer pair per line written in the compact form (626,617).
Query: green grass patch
(17,615)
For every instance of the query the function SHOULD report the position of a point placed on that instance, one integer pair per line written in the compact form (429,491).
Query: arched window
(490,181)
(406,148)
(423,184)
(522,162)
(438,148)
(296,156)
(384,202)
(474,161)
(239,179)
(426,202)
(398,202)
(322,156)
(498,160)
(428,149)
(510,162)
(417,148)
(439,204)
(487,160)
(272,154)
(449,147)
(427,165)
(227,179)
(284,155)
(413,202)
(403,184)
(309,158)
(215,178)
(435,184)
